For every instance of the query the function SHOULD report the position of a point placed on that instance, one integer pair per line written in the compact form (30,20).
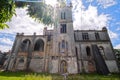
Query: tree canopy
(39,11)
(7,10)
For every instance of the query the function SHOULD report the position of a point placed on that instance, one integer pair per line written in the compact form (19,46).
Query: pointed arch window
(39,45)
(63,46)
(88,51)
(21,60)
(63,28)
(63,15)
(76,51)
(63,67)
(97,36)
(101,49)
(25,45)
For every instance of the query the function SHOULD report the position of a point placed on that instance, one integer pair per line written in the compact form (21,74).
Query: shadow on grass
(12,74)
(29,75)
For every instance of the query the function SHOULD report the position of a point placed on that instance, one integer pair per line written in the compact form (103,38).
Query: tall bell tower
(63,38)
(63,30)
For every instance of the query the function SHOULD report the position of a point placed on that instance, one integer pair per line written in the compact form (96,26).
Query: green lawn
(45,76)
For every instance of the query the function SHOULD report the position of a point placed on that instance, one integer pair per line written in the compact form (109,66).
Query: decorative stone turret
(104,29)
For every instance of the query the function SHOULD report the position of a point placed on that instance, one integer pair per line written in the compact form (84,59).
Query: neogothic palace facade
(63,49)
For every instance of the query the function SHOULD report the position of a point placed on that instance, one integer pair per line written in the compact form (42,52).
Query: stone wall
(112,65)
(37,65)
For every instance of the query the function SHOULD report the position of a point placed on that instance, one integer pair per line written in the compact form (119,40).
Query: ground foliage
(46,76)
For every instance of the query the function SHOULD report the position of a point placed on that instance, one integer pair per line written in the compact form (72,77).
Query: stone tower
(63,41)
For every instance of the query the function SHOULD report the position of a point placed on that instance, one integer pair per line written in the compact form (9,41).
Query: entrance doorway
(63,67)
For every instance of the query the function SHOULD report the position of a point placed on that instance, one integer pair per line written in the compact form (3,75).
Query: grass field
(45,76)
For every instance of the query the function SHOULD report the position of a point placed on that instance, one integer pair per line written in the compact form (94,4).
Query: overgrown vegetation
(46,76)
(117,54)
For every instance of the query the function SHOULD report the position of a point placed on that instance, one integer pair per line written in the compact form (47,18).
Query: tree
(7,10)
(41,12)
(117,54)
(20,4)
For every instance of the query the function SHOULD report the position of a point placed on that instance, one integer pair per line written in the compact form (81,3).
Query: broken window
(63,46)
(85,36)
(88,51)
(101,49)
(97,36)
(49,38)
(39,45)
(63,28)
(21,60)
(25,45)
(63,15)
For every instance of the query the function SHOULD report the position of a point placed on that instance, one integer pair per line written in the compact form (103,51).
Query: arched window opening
(21,60)
(63,67)
(59,46)
(88,51)
(63,28)
(25,45)
(76,51)
(101,49)
(66,46)
(97,36)
(63,46)
(39,45)
(63,16)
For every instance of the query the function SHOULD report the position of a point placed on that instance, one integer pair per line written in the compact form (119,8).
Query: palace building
(64,49)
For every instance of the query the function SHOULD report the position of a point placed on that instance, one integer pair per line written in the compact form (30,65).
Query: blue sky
(87,14)
(112,9)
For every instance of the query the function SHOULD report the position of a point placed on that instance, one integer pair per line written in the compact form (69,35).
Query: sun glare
(51,2)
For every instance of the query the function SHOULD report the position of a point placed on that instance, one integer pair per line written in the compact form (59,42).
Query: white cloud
(89,19)
(20,23)
(52,3)
(106,3)
(86,19)
(23,23)
(6,44)
(117,46)
(5,48)
(6,41)
(113,35)
(118,23)
(118,29)
(89,0)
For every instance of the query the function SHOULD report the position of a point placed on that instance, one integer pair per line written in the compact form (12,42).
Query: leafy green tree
(7,10)
(117,54)
(41,12)
(20,4)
